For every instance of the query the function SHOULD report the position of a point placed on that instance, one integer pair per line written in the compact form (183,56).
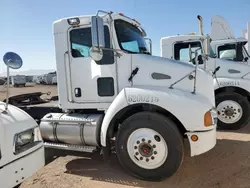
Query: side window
(81,43)
(227,52)
(181,50)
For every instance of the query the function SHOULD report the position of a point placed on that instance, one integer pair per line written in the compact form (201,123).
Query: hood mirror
(13,61)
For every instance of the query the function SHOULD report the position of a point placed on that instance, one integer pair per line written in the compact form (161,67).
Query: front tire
(233,110)
(149,146)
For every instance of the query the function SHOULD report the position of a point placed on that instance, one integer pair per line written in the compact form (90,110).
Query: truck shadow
(228,164)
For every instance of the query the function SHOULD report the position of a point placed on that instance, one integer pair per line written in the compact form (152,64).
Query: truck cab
(231,79)
(224,43)
(113,91)
(21,144)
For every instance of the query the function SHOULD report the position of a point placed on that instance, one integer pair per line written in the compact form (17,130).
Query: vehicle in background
(246,34)
(224,43)
(231,79)
(54,80)
(112,89)
(18,80)
(29,79)
(22,150)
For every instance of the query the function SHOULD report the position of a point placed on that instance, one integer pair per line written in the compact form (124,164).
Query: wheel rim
(229,111)
(147,148)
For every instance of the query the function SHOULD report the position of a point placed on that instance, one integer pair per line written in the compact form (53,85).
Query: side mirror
(97,32)
(98,42)
(150,44)
(13,61)
(190,53)
(207,46)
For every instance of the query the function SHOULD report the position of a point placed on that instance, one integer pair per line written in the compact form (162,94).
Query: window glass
(181,50)
(81,42)
(130,38)
(227,52)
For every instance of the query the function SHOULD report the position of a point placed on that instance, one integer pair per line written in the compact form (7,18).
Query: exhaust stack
(200,24)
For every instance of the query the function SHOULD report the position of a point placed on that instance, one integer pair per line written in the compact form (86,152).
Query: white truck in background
(231,79)
(224,43)
(110,86)
(21,145)
(246,35)
(18,80)
(54,80)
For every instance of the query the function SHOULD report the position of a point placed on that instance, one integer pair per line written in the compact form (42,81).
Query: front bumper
(19,170)
(206,141)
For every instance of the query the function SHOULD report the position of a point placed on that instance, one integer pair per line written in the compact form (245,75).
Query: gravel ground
(225,166)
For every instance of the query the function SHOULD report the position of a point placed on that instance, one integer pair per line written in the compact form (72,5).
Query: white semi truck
(112,89)
(231,79)
(21,145)
(246,35)
(224,43)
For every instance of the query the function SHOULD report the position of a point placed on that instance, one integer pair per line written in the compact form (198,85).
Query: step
(70,147)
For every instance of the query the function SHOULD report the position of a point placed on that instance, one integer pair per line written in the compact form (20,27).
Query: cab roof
(179,38)
(62,25)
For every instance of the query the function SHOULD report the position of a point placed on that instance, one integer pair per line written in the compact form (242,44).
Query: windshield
(130,38)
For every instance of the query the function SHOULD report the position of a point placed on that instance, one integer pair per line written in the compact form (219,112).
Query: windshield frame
(139,32)
(245,50)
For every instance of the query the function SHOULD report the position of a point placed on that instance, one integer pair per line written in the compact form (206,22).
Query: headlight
(26,140)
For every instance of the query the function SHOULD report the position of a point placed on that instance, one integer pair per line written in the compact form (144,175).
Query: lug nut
(136,153)
(149,141)
(154,146)
(135,147)
(141,158)
(152,157)
(143,140)
(138,142)
(155,152)
(147,160)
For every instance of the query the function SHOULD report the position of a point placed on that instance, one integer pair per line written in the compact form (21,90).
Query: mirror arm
(7,89)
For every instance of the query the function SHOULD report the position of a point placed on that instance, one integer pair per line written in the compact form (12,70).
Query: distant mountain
(31,72)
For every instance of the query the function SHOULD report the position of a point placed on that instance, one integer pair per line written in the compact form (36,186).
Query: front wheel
(233,110)
(149,146)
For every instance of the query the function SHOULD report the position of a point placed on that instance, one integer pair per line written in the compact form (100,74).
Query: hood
(220,29)
(11,123)
(163,72)
(229,68)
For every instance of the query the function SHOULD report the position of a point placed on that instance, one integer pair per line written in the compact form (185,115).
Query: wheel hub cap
(229,111)
(147,148)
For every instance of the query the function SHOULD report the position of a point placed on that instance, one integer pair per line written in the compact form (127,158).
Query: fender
(176,101)
(232,82)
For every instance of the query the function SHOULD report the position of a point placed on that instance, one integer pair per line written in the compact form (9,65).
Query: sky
(26,25)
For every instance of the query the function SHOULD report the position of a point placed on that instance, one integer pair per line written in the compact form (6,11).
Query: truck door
(91,81)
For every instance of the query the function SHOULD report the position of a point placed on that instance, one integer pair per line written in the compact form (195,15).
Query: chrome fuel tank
(77,129)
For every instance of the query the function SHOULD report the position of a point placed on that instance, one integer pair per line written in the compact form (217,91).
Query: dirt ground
(225,166)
